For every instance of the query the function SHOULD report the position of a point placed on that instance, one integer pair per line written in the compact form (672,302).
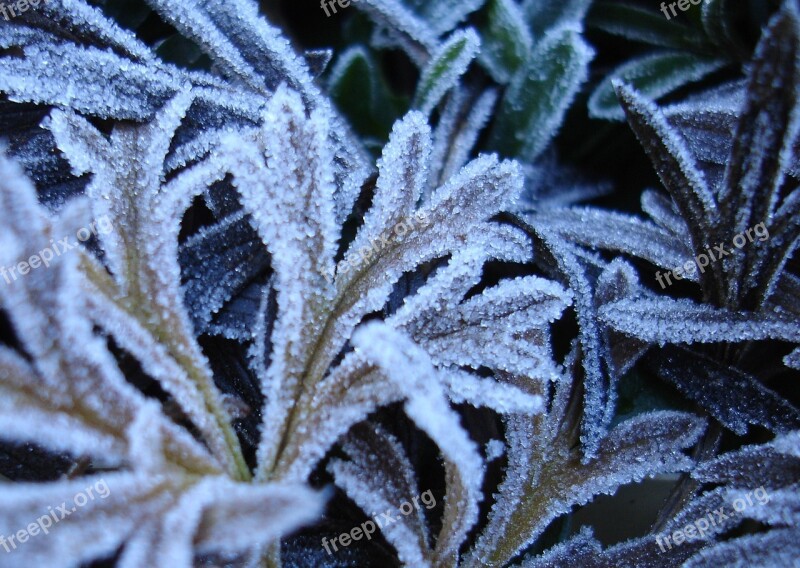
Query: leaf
(645,26)
(142,252)
(734,398)
(764,142)
(65,74)
(383,485)
(410,368)
(538,96)
(677,170)
(407,30)
(247,48)
(560,481)
(460,124)
(447,64)
(355,79)
(506,40)
(302,248)
(620,233)
(444,15)
(665,320)
(653,76)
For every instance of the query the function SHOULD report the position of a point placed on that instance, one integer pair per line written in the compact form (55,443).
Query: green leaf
(359,90)
(654,75)
(540,93)
(506,40)
(446,66)
(646,26)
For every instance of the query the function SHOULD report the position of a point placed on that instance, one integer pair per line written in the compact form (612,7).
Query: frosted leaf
(563,260)
(642,24)
(775,548)
(502,398)
(402,172)
(665,320)
(217,262)
(456,210)
(584,550)
(614,231)
(583,545)
(507,40)
(86,533)
(142,251)
(235,508)
(447,64)
(380,479)
(451,115)
(542,15)
(503,328)
(88,23)
(654,76)
(406,29)
(761,154)
(773,465)
(246,47)
(550,184)
(708,128)
(675,166)
(538,96)
(545,480)
(617,281)
(781,509)
(410,368)
(734,398)
(288,187)
(23,413)
(347,396)
(211,515)
(662,210)
(155,360)
(465,138)
(60,73)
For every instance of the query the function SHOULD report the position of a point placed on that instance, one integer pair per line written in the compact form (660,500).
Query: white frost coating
(690,191)
(495,449)
(641,447)
(402,171)
(467,136)
(502,398)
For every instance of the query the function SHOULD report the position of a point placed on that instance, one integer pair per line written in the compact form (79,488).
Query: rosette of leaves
(728,161)
(317,378)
